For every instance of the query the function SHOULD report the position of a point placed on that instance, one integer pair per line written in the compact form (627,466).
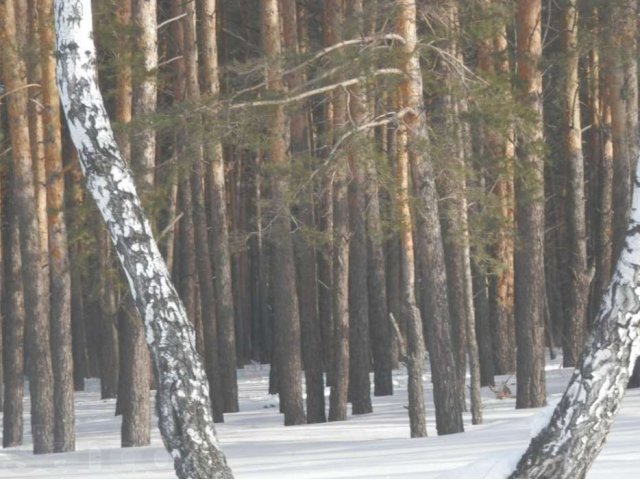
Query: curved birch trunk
(183,397)
(567,447)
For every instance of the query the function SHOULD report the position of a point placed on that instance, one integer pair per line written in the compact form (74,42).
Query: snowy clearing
(257,445)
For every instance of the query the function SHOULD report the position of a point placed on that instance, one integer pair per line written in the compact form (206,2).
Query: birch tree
(183,398)
(568,445)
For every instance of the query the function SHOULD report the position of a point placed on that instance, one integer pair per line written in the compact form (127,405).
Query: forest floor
(376,445)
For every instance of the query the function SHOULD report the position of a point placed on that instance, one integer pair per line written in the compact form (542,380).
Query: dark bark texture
(35,300)
(13,338)
(529,257)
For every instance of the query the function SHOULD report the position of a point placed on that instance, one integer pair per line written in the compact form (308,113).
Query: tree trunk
(2,281)
(579,276)
(325,255)
(493,59)
(186,244)
(78,334)
(186,272)
(381,333)
(429,245)
(392,251)
(620,45)
(3,276)
(450,183)
(475,395)
(359,341)
(285,298)
(601,108)
(207,294)
(304,249)
(183,398)
(145,91)
(483,326)
(568,445)
(135,429)
(529,258)
(62,354)
(203,258)
(308,304)
(414,356)
(36,129)
(107,321)
(218,217)
(35,299)
(340,385)
(13,334)
(359,338)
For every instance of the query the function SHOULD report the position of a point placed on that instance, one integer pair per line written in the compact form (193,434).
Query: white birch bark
(183,401)
(568,445)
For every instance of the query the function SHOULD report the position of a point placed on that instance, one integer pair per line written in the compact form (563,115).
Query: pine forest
(233,223)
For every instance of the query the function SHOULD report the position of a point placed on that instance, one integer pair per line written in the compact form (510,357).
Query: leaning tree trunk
(568,445)
(183,397)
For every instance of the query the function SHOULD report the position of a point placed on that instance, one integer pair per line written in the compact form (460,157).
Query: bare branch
(317,91)
(170,20)
(166,62)
(402,349)
(346,43)
(6,94)
(325,51)
(171,225)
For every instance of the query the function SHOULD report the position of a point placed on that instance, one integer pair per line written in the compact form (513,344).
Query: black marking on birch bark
(183,398)
(569,444)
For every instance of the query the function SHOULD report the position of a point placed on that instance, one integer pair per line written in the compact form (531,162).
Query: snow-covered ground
(257,445)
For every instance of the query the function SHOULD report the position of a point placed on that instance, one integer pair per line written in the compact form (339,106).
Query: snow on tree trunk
(568,445)
(183,398)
